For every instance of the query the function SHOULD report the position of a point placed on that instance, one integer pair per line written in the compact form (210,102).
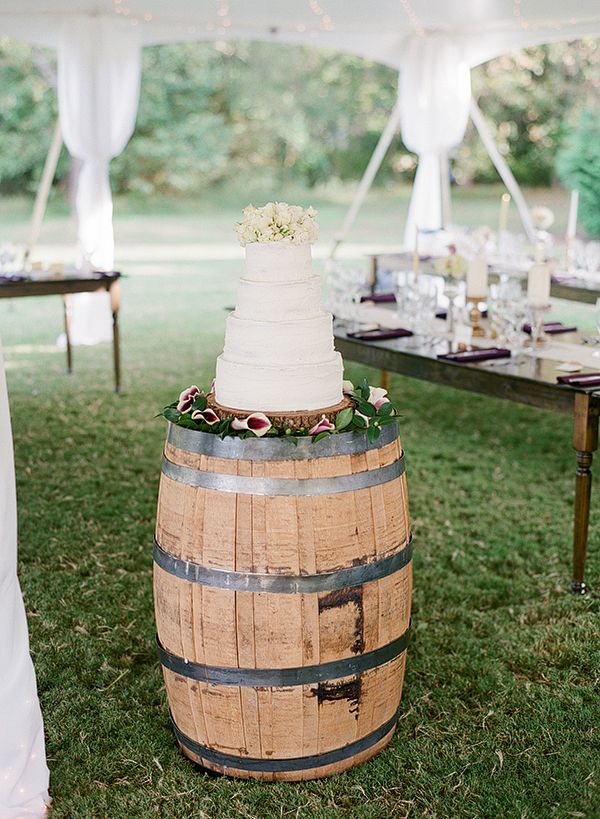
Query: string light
(326,21)
(519,14)
(418,27)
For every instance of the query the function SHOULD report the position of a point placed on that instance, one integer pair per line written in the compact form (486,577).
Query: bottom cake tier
(298,388)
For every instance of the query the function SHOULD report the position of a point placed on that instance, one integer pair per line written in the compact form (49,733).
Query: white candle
(477,277)
(572,224)
(538,284)
(540,253)
(416,254)
(503,221)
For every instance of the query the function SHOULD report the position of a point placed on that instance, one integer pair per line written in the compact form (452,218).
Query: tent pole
(41,198)
(445,189)
(369,175)
(502,167)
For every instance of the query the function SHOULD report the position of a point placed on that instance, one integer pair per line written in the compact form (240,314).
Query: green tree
(28,112)
(578,165)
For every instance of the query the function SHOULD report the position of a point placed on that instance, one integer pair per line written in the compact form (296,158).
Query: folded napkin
(380,298)
(552,328)
(484,354)
(443,314)
(379,335)
(17,277)
(580,379)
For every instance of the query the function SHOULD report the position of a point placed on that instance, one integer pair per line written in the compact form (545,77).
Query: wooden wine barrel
(282,590)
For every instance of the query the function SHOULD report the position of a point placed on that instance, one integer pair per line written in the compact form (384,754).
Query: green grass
(501,697)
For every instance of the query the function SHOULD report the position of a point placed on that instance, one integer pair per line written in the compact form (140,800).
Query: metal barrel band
(279,583)
(276,449)
(282,677)
(302,763)
(245,485)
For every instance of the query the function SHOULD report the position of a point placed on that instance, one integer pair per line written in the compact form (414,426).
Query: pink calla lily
(208,415)
(187,398)
(256,422)
(377,396)
(322,426)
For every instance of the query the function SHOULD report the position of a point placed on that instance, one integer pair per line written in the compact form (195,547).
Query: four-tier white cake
(279,354)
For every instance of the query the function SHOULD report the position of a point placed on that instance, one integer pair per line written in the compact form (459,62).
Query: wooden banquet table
(65,285)
(525,380)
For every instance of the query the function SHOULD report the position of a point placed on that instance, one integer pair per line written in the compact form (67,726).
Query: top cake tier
(277,262)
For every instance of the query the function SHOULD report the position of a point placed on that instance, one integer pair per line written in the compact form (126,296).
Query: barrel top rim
(277,449)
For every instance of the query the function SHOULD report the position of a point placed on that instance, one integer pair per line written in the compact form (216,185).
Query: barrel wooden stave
(294,629)
(286,723)
(300,535)
(283,535)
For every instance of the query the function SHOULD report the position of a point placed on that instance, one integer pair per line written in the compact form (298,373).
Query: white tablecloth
(23,771)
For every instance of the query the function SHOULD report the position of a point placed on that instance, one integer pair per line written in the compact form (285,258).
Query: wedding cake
(279,354)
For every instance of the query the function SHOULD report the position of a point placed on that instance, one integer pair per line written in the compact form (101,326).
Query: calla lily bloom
(347,387)
(378,396)
(187,398)
(322,426)
(208,415)
(256,422)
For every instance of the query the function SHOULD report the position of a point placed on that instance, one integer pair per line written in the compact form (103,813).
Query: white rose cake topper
(277,222)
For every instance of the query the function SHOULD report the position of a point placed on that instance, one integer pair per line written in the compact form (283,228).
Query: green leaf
(365,390)
(388,419)
(359,422)
(171,414)
(367,409)
(200,403)
(344,418)
(186,422)
(373,433)
(323,434)
(385,409)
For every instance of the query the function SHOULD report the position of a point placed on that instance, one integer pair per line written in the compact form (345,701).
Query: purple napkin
(552,328)
(380,298)
(580,379)
(379,335)
(13,278)
(443,314)
(485,354)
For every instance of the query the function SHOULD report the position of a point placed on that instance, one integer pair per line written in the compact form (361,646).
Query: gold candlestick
(475,316)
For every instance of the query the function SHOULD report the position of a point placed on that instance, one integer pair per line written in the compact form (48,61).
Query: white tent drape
(24,774)
(99,65)
(435,94)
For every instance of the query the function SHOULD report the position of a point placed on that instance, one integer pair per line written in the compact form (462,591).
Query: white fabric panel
(99,63)
(435,94)
(23,771)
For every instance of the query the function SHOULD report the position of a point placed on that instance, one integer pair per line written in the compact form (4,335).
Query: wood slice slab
(302,419)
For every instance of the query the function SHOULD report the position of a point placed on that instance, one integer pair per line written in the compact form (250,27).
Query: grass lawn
(501,707)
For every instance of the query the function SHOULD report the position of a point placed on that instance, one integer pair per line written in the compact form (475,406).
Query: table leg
(115,304)
(585,442)
(67,316)
(385,379)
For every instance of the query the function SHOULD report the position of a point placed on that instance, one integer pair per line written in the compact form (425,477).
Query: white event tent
(432,43)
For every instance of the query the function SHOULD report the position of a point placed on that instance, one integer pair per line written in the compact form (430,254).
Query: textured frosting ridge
(279,353)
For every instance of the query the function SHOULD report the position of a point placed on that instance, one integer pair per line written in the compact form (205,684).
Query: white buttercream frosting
(277,262)
(279,353)
(264,301)
(279,388)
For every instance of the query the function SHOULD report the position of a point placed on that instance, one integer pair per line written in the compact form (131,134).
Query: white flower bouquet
(542,217)
(452,265)
(277,222)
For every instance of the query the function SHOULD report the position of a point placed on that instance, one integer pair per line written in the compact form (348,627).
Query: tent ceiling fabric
(377,30)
